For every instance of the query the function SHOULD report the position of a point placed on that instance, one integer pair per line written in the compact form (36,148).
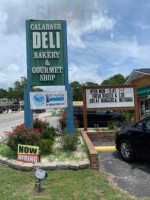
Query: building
(141,78)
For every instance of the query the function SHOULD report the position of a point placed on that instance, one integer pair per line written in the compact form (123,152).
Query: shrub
(128,115)
(62,121)
(48,133)
(70,142)
(47,146)
(111,125)
(21,135)
(39,124)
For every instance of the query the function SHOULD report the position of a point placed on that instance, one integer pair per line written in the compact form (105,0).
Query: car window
(148,124)
(101,112)
(139,125)
(91,112)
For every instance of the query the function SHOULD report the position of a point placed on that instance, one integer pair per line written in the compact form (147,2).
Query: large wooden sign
(110,97)
(46,52)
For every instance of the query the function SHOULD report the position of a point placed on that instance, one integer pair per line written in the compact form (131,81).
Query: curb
(14,164)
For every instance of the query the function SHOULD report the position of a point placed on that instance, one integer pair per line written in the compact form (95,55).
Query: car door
(91,118)
(101,117)
(142,139)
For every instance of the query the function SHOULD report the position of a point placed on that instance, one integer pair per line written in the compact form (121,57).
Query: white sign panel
(50,99)
(110,97)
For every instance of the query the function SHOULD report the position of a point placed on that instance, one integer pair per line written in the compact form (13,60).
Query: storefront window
(144,108)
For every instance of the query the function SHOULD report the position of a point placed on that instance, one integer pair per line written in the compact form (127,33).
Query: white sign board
(50,99)
(110,97)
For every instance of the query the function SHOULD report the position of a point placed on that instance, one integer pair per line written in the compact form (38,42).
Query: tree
(3,93)
(113,80)
(37,90)
(77,90)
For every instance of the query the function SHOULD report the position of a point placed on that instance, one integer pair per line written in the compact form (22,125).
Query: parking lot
(134,178)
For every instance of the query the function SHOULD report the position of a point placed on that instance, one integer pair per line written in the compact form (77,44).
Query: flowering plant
(22,135)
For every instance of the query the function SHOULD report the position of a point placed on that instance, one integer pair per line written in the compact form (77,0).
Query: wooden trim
(112,108)
(107,86)
(84,109)
(136,103)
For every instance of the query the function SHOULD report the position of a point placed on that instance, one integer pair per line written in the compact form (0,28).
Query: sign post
(47,62)
(28,114)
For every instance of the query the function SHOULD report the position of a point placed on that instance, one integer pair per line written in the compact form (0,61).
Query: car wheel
(126,150)
(116,122)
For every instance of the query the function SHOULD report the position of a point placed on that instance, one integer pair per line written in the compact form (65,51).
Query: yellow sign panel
(28,149)
(77,103)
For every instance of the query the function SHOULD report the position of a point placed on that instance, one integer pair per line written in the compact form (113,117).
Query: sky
(104,37)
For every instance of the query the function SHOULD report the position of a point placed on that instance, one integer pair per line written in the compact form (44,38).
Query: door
(142,139)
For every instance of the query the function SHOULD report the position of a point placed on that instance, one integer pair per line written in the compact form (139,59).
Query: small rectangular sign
(110,97)
(51,99)
(28,153)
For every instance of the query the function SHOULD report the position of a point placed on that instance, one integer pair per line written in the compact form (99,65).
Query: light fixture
(40,175)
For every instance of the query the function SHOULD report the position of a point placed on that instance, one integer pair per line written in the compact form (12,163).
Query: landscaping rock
(27,167)
(39,166)
(84,164)
(3,160)
(61,165)
(11,162)
(73,165)
(17,165)
(50,165)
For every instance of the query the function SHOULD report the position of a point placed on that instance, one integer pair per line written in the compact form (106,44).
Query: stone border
(91,150)
(45,166)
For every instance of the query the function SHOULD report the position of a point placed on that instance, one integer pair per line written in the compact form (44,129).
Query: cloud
(11,74)
(84,74)
(121,56)
(82,17)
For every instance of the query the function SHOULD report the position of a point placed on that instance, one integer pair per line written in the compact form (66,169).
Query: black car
(134,141)
(97,118)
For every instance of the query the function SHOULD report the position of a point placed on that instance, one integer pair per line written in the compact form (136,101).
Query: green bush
(47,146)
(128,115)
(39,124)
(111,125)
(69,142)
(48,133)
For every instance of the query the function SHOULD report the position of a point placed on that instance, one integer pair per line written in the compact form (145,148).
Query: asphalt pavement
(134,177)
(9,120)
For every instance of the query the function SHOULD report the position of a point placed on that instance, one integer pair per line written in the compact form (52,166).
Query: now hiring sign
(27,153)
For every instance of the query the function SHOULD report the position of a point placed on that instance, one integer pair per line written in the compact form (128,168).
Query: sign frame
(50,99)
(135,107)
(28,114)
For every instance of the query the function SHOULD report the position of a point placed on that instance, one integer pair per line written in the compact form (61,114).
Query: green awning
(142,92)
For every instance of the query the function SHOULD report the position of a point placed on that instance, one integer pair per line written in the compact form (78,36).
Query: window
(148,124)
(101,112)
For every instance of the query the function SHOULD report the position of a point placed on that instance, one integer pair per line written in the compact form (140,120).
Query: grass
(6,151)
(60,155)
(60,185)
